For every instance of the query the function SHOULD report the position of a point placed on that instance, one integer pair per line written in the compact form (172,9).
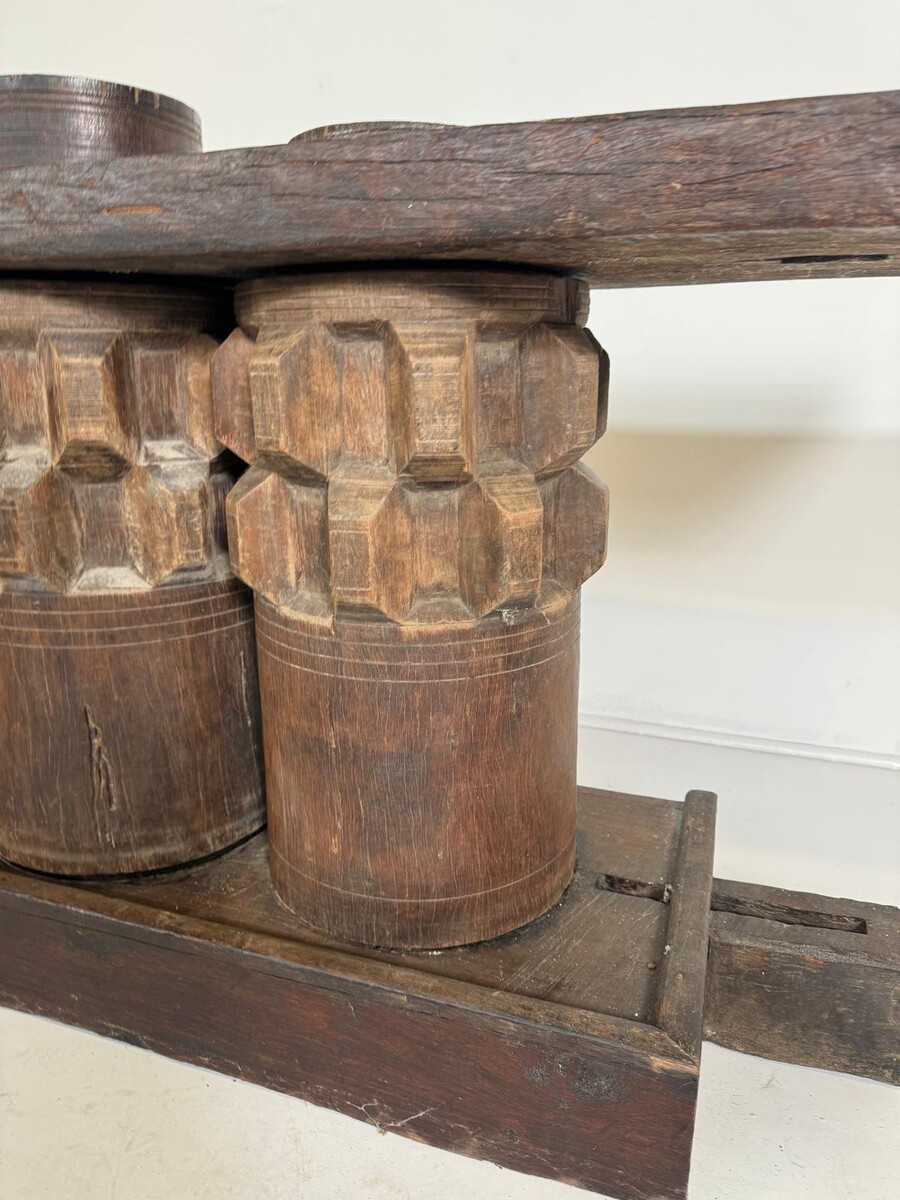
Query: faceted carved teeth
(373,544)
(168,519)
(24,413)
(170,375)
(370,536)
(39,536)
(405,397)
(295,389)
(420,469)
(374,383)
(501,541)
(93,433)
(233,408)
(576,512)
(278,539)
(107,436)
(565,381)
(439,431)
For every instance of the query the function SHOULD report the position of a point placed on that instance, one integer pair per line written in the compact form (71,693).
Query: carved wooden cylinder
(127,678)
(129,711)
(416,527)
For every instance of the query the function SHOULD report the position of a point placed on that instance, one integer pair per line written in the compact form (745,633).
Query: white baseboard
(731,740)
(810,823)
(793,722)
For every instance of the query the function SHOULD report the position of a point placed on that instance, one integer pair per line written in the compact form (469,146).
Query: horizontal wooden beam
(805,979)
(783,190)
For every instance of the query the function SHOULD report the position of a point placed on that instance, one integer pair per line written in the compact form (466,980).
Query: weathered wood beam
(805,979)
(782,190)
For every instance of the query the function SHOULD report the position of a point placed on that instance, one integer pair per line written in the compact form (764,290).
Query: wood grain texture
(127,683)
(66,118)
(806,979)
(510,1050)
(416,527)
(420,784)
(791,189)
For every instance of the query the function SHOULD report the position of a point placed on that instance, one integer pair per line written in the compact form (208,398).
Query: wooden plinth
(569,1049)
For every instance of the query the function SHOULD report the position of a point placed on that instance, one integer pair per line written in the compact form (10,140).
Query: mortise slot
(634,887)
(740,907)
(787,916)
(800,259)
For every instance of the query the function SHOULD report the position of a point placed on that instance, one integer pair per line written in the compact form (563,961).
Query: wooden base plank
(568,1049)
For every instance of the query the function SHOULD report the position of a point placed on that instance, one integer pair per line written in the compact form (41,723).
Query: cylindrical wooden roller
(61,118)
(416,527)
(128,695)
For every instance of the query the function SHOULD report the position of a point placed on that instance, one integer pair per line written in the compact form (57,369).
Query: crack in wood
(103,788)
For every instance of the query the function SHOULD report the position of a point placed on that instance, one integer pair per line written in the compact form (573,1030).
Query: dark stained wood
(130,727)
(416,528)
(512,1050)
(790,189)
(66,118)
(420,783)
(779,984)
(806,979)
(128,699)
(514,1044)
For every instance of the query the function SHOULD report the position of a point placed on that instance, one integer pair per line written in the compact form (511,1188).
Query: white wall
(744,635)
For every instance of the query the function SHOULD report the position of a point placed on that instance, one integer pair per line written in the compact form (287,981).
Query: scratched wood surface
(556,958)
(416,526)
(789,189)
(541,1051)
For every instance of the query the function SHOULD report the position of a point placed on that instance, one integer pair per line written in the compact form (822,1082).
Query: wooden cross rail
(791,189)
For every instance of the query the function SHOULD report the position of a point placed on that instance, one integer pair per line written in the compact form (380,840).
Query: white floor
(82,1118)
